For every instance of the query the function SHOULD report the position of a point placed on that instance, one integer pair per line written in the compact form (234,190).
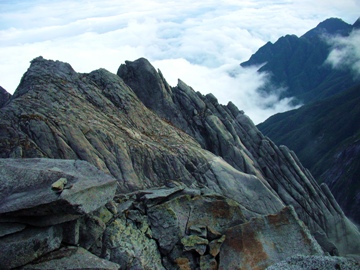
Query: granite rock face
(230,134)
(83,188)
(33,213)
(187,170)
(264,241)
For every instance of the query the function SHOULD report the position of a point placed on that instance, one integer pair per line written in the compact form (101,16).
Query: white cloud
(239,86)
(201,42)
(345,52)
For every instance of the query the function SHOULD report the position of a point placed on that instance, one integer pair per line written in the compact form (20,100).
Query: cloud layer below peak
(201,42)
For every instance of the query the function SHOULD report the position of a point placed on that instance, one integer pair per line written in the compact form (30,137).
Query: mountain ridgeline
(193,178)
(324,133)
(298,64)
(326,137)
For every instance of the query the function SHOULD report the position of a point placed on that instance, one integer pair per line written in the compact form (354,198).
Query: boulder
(130,245)
(23,247)
(264,241)
(34,200)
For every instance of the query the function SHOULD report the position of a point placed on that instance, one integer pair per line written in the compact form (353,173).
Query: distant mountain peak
(331,26)
(356,25)
(297,63)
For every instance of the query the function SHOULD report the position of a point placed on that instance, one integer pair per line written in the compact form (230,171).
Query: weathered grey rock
(23,247)
(207,262)
(71,232)
(301,262)
(326,244)
(9,228)
(91,229)
(172,220)
(215,246)
(194,242)
(86,189)
(72,258)
(267,240)
(227,132)
(4,96)
(131,246)
(214,150)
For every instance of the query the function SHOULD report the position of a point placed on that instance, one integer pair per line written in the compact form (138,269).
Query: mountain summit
(297,64)
(193,178)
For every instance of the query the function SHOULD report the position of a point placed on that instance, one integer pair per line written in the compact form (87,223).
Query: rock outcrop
(34,216)
(230,134)
(160,228)
(4,96)
(188,172)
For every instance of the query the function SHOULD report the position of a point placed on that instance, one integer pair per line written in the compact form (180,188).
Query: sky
(200,42)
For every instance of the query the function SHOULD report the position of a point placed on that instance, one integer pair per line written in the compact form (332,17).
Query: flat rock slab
(23,247)
(10,228)
(72,258)
(266,240)
(26,187)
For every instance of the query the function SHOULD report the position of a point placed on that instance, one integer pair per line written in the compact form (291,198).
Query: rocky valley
(123,171)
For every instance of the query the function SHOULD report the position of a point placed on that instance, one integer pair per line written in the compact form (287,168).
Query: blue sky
(200,42)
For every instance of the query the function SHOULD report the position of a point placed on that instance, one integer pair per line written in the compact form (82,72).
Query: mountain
(326,137)
(297,64)
(195,183)
(4,96)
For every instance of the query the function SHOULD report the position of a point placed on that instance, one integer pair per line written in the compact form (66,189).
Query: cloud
(345,53)
(201,42)
(228,83)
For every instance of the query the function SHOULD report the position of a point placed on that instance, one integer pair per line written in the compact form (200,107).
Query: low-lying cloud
(345,53)
(201,42)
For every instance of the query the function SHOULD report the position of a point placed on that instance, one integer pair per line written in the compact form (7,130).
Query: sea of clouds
(200,42)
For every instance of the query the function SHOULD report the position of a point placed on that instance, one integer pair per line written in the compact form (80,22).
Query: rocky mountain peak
(42,69)
(356,25)
(191,174)
(331,26)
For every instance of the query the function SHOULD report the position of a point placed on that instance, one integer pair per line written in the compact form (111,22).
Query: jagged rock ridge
(229,133)
(326,137)
(187,137)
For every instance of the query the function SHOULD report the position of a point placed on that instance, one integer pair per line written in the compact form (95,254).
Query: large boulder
(267,240)
(23,247)
(31,192)
(41,202)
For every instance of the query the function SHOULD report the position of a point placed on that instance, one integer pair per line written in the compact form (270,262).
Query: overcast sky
(200,42)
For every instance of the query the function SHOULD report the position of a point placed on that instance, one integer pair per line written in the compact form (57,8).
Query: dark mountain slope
(325,135)
(297,64)
(97,117)
(4,96)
